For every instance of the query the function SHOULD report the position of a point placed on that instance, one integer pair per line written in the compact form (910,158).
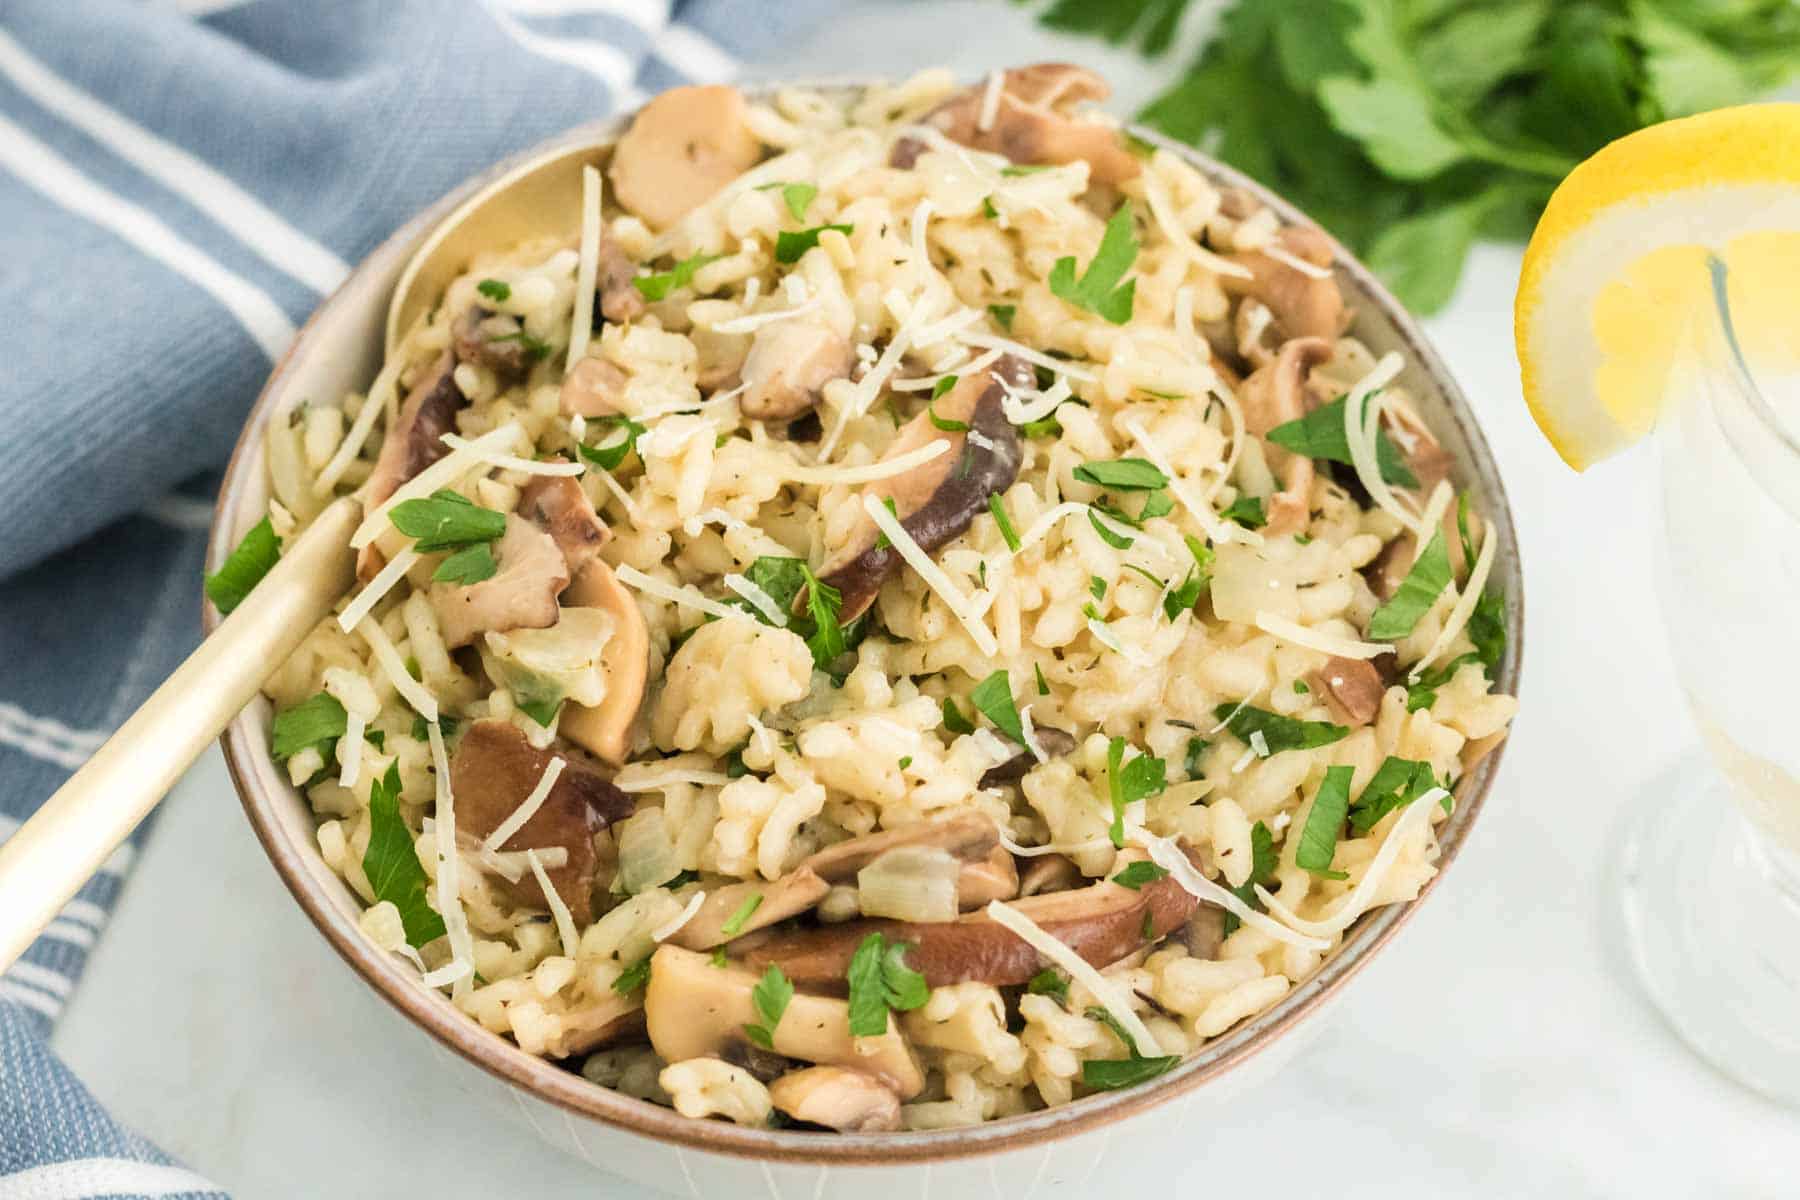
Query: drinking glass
(1712,863)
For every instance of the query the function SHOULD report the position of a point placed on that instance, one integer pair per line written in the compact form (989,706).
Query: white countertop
(1499,1047)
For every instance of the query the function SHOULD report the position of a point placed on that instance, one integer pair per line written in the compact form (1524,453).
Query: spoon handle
(48,858)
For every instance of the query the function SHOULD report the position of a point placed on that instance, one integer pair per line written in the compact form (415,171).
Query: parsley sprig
(244,568)
(392,865)
(770,998)
(1099,289)
(881,982)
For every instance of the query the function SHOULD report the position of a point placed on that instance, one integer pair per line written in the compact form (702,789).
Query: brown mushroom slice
(1303,305)
(1352,689)
(788,364)
(693,1009)
(789,896)
(594,387)
(613,1019)
(1425,456)
(995,877)
(494,769)
(1032,124)
(682,147)
(605,728)
(413,442)
(970,836)
(521,594)
(837,1098)
(1275,395)
(620,301)
(1204,932)
(937,500)
(1052,741)
(557,505)
(1049,873)
(1103,923)
(493,340)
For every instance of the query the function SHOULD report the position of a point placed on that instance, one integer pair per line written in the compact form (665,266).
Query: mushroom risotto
(918,614)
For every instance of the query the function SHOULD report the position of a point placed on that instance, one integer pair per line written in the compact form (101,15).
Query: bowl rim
(568,1090)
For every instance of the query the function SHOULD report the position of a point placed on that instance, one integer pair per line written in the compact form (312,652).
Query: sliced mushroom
(494,769)
(837,1098)
(620,301)
(792,894)
(936,500)
(493,340)
(682,147)
(521,594)
(765,1066)
(1303,305)
(1204,932)
(1275,395)
(970,836)
(1049,873)
(1103,923)
(413,442)
(1352,688)
(612,1019)
(605,729)
(995,877)
(1425,456)
(557,505)
(789,362)
(694,1009)
(595,387)
(1052,741)
(1032,123)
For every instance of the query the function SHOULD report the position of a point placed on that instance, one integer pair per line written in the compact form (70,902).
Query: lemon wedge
(1617,270)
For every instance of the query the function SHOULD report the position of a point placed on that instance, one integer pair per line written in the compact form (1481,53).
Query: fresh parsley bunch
(1409,128)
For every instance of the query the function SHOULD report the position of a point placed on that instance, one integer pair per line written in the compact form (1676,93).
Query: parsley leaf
(1246,511)
(1098,290)
(1052,983)
(1195,748)
(1487,629)
(446,521)
(1395,784)
(495,289)
(789,246)
(1109,1074)
(1003,313)
(954,720)
(1263,861)
(471,564)
(633,978)
(1129,782)
(392,862)
(823,602)
(541,710)
(608,455)
(536,347)
(770,997)
(1117,541)
(997,507)
(1279,732)
(1416,593)
(880,982)
(317,721)
(741,915)
(657,286)
(253,557)
(1320,434)
(1123,475)
(1318,841)
(993,697)
(1137,874)
(795,195)
(1043,685)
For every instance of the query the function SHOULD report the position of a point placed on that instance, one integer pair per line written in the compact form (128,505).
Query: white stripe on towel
(77,739)
(82,1178)
(35,1000)
(180,512)
(647,15)
(606,63)
(248,219)
(41,167)
(67,931)
(85,911)
(695,55)
(40,747)
(42,978)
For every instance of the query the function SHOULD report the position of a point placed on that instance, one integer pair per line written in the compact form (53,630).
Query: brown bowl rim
(570,1092)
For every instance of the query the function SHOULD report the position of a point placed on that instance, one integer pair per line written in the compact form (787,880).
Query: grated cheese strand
(754,321)
(1080,970)
(1024,851)
(350,748)
(365,601)
(410,689)
(670,928)
(381,393)
(655,783)
(449,862)
(587,270)
(1106,637)
(512,462)
(1435,508)
(442,473)
(1314,639)
(559,912)
(1167,855)
(1358,901)
(885,469)
(988,341)
(1219,531)
(990,101)
(1299,264)
(678,594)
(758,599)
(527,809)
(1162,212)
(454,971)
(932,574)
(1465,604)
(1362,418)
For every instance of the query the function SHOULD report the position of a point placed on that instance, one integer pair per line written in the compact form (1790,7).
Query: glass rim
(1749,391)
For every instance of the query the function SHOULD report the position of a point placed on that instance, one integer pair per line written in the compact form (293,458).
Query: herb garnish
(1416,593)
(1137,874)
(1263,862)
(1196,746)
(536,347)
(734,924)
(993,697)
(609,455)
(252,558)
(1320,435)
(997,507)
(633,977)
(795,195)
(497,290)
(1395,784)
(1098,290)
(1279,732)
(1318,840)
(446,521)
(1246,511)
(659,285)
(784,580)
(1043,685)
(789,246)
(542,710)
(1052,983)
(471,564)
(391,862)
(1003,313)
(1123,475)
(954,720)
(881,981)
(770,997)
(316,721)
(1110,1074)
(1129,782)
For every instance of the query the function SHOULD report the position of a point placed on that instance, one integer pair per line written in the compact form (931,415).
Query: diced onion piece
(670,928)
(528,808)
(512,462)
(1111,998)
(910,883)
(867,473)
(678,594)
(559,912)
(758,599)
(1362,420)
(587,270)
(1169,856)
(1313,639)
(1465,604)
(646,851)
(442,473)
(449,861)
(410,689)
(932,574)
(1357,902)
(365,601)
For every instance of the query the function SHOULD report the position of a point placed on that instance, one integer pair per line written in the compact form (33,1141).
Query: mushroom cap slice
(605,729)
(789,896)
(521,594)
(482,336)
(1303,305)
(938,499)
(1032,123)
(682,147)
(789,362)
(837,1098)
(620,301)
(611,1019)
(995,877)
(1052,741)
(557,505)
(494,768)
(1352,687)
(970,836)
(693,1009)
(1103,923)
(1274,395)
(594,387)
(412,442)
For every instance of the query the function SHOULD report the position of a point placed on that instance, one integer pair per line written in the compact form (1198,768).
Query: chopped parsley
(993,697)
(734,763)
(944,423)
(1110,1074)
(1196,746)
(770,997)
(657,286)
(906,762)
(633,978)
(1052,983)
(1096,587)
(1018,169)
(1043,427)
(1137,874)
(537,347)
(1416,593)
(954,720)
(392,865)
(471,564)
(1263,861)
(1129,782)
(1043,685)
(880,982)
(1397,782)
(1123,475)
(1279,732)
(1318,840)
(252,558)
(997,507)
(785,580)
(497,290)
(1487,630)
(446,521)
(1300,687)
(795,195)
(610,455)
(1118,541)
(789,246)
(1099,290)
(316,721)
(542,710)
(735,923)
(882,541)
(1246,511)
(1320,434)
(1003,313)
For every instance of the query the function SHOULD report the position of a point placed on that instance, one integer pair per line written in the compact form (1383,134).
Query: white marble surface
(1497,1048)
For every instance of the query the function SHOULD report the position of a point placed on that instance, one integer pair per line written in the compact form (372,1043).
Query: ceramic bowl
(1110,1136)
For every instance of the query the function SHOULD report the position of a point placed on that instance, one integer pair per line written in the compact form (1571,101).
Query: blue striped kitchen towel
(181,182)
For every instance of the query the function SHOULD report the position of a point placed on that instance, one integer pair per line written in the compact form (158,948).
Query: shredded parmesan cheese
(526,810)
(1417,814)
(587,270)
(1030,732)
(1024,851)
(1219,531)
(1038,528)
(1162,212)
(1111,998)
(755,321)
(379,399)
(454,971)
(512,462)
(656,783)
(1313,639)
(758,599)
(1295,261)
(670,928)
(442,473)
(350,748)
(678,594)
(1465,605)
(1435,508)
(1106,637)
(559,912)
(511,866)
(1166,854)
(988,341)
(990,101)
(449,881)
(932,574)
(868,473)
(410,689)
(365,601)
(1362,418)
(1022,405)
(1259,743)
